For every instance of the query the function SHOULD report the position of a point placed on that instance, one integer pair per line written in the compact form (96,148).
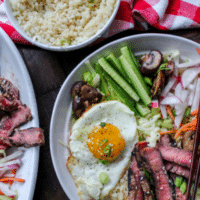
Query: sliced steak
(134,186)
(166,140)
(7,105)
(8,89)
(177,169)
(174,154)
(27,138)
(154,164)
(144,181)
(17,118)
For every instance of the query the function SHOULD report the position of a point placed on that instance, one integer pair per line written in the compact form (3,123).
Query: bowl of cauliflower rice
(61,25)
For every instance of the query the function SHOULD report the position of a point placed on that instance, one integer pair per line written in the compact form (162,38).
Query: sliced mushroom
(158,84)
(150,62)
(188,140)
(169,68)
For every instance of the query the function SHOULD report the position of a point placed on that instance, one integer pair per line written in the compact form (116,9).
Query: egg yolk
(106,143)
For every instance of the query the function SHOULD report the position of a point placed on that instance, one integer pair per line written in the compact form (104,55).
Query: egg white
(86,171)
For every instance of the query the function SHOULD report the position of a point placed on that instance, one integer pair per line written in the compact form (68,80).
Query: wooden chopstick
(193,163)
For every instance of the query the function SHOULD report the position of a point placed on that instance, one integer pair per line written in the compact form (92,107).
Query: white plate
(12,67)
(60,122)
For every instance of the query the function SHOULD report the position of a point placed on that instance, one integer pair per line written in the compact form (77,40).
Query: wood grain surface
(48,70)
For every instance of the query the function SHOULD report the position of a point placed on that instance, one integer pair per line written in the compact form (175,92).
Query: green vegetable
(120,80)
(130,57)
(148,81)
(104,162)
(123,96)
(167,123)
(87,77)
(113,61)
(62,42)
(135,80)
(3,197)
(107,150)
(187,112)
(178,181)
(103,142)
(102,124)
(103,177)
(183,187)
(142,109)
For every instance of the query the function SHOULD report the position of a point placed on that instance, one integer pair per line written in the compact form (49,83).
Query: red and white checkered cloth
(138,15)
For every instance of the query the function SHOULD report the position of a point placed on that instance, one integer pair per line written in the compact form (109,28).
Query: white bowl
(98,35)
(61,116)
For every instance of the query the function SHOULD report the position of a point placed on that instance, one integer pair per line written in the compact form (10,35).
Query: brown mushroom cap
(76,88)
(84,96)
(158,84)
(150,62)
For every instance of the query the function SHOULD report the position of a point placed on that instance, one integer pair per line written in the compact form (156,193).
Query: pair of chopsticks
(194,163)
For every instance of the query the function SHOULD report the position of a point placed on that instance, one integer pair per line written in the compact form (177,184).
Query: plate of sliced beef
(20,134)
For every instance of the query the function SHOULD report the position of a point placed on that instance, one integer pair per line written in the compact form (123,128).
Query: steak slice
(174,154)
(17,118)
(144,181)
(27,138)
(7,105)
(8,89)
(134,186)
(154,164)
(177,169)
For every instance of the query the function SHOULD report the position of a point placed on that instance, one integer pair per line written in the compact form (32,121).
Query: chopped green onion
(107,150)
(103,177)
(178,181)
(104,162)
(62,42)
(183,187)
(102,124)
(103,142)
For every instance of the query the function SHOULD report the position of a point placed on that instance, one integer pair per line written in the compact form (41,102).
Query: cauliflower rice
(62,22)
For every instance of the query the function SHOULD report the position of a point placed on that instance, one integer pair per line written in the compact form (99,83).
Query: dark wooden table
(48,70)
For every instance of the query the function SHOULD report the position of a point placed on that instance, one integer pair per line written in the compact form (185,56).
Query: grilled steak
(177,169)
(144,181)
(7,105)
(154,164)
(27,138)
(174,154)
(18,117)
(8,89)
(135,189)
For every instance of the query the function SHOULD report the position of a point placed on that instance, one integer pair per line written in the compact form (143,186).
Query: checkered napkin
(138,15)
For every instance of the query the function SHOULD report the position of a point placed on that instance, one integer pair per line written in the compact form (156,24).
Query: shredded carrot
(11,179)
(1,193)
(14,171)
(198,51)
(170,112)
(168,132)
(195,112)
(186,127)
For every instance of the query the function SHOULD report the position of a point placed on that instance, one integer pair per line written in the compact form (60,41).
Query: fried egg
(101,143)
